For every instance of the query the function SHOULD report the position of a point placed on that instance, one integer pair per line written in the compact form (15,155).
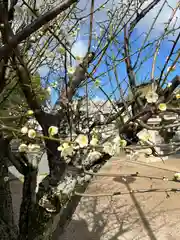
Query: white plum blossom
(23,147)
(116,140)
(92,157)
(31,133)
(33,148)
(169,84)
(151,97)
(24,130)
(71,70)
(148,151)
(66,150)
(162,106)
(177,96)
(82,140)
(79,59)
(87,177)
(61,50)
(30,112)
(177,176)
(94,141)
(108,148)
(120,142)
(144,135)
(53,130)
(48,90)
(171,68)
(32,39)
(123,143)
(32,122)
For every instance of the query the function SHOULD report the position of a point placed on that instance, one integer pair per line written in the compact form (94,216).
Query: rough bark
(8,230)
(65,216)
(7,49)
(46,216)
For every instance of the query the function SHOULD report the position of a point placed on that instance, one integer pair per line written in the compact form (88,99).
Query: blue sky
(143,73)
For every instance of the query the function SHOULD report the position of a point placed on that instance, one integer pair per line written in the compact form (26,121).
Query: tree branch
(129,69)
(91,25)
(6,208)
(78,77)
(28,203)
(33,27)
(160,190)
(142,14)
(168,91)
(11,10)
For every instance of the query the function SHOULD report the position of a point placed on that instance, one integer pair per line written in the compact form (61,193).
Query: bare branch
(28,202)
(33,27)
(91,25)
(142,14)
(78,77)
(129,69)
(167,93)
(167,60)
(11,10)
(160,190)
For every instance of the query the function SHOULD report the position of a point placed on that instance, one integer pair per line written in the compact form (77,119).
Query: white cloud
(80,48)
(146,22)
(163,18)
(43,71)
(97,99)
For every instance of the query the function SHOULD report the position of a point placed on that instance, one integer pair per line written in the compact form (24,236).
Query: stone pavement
(136,216)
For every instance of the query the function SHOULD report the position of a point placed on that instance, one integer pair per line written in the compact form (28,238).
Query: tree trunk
(8,230)
(66,215)
(38,224)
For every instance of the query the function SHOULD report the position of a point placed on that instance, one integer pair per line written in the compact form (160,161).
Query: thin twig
(91,25)
(106,174)
(160,190)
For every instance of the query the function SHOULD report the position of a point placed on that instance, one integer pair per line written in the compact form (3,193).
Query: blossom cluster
(29,148)
(144,136)
(31,133)
(68,149)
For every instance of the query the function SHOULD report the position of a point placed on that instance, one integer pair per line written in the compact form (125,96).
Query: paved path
(154,216)
(136,216)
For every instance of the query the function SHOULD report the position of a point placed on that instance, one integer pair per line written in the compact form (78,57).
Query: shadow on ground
(134,216)
(131,216)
